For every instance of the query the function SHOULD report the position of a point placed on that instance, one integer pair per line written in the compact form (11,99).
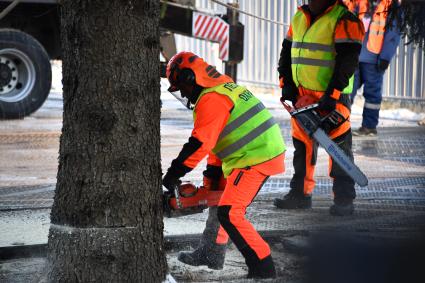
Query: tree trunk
(107,223)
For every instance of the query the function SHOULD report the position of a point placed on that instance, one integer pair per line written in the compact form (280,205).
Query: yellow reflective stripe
(313,62)
(241,119)
(246,139)
(313,46)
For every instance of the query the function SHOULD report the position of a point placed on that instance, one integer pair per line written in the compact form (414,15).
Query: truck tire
(25,74)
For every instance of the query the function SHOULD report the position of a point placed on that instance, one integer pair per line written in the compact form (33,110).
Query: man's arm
(284,66)
(212,112)
(349,34)
(392,38)
(286,82)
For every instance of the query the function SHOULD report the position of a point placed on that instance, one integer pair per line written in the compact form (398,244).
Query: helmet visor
(184,100)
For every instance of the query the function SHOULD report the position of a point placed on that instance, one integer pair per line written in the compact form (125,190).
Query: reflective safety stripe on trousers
(373,106)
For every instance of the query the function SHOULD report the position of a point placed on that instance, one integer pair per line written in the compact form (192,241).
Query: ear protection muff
(186,76)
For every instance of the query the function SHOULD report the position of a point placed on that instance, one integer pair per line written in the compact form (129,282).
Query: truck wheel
(25,74)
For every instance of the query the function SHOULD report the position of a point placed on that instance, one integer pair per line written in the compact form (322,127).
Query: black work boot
(342,207)
(293,200)
(208,252)
(261,269)
(365,132)
(211,256)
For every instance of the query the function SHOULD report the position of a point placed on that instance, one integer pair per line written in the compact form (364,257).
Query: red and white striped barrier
(212,28)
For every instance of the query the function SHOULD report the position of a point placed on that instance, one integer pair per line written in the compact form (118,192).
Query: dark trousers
(372,79)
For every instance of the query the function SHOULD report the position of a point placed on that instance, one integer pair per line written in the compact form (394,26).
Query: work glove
(327,103)
(214,184)
(173,175)
(290,92)
(213,178)
(332,121)
(170,181)
(382,65)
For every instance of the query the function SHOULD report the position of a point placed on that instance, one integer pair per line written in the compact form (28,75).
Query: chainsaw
(188,199)
(314,124)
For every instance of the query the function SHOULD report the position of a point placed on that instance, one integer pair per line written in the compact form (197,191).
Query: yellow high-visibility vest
(251,136)
(313,50)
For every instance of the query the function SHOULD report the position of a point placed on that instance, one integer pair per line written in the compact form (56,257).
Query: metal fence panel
(405,77)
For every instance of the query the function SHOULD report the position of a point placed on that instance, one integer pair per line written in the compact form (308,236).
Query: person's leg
(302,182)
(241,189)
(373,79)
(357,84)
(212,247)
(343,184)
(305,157)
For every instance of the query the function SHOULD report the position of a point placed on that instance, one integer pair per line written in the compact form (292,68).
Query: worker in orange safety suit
(241,136)
(318,58)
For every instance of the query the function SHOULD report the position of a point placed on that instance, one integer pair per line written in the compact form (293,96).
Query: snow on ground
(391,117)
(27,227)
(401,114)
(169,279)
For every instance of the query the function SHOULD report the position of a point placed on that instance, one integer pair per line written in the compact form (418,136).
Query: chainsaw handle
(288,107)
(293,111)
(334,117)
(177,195)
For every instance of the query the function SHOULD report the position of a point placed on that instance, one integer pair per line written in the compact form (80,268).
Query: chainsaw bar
(310,121)
(340,157)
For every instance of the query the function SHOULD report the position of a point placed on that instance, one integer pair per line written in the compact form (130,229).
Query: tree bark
(107,223)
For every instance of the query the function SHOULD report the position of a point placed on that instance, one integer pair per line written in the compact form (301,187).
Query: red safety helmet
(186,67)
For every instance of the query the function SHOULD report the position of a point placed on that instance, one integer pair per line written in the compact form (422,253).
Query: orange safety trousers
(302,142)
(241,189)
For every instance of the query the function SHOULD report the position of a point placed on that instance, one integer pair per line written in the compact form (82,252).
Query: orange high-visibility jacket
(377,21)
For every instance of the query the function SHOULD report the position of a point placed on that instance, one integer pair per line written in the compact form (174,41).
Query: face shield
(184,100)
(183,86)
(175,89)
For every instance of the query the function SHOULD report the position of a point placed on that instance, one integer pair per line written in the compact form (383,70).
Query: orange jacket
(376,24)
